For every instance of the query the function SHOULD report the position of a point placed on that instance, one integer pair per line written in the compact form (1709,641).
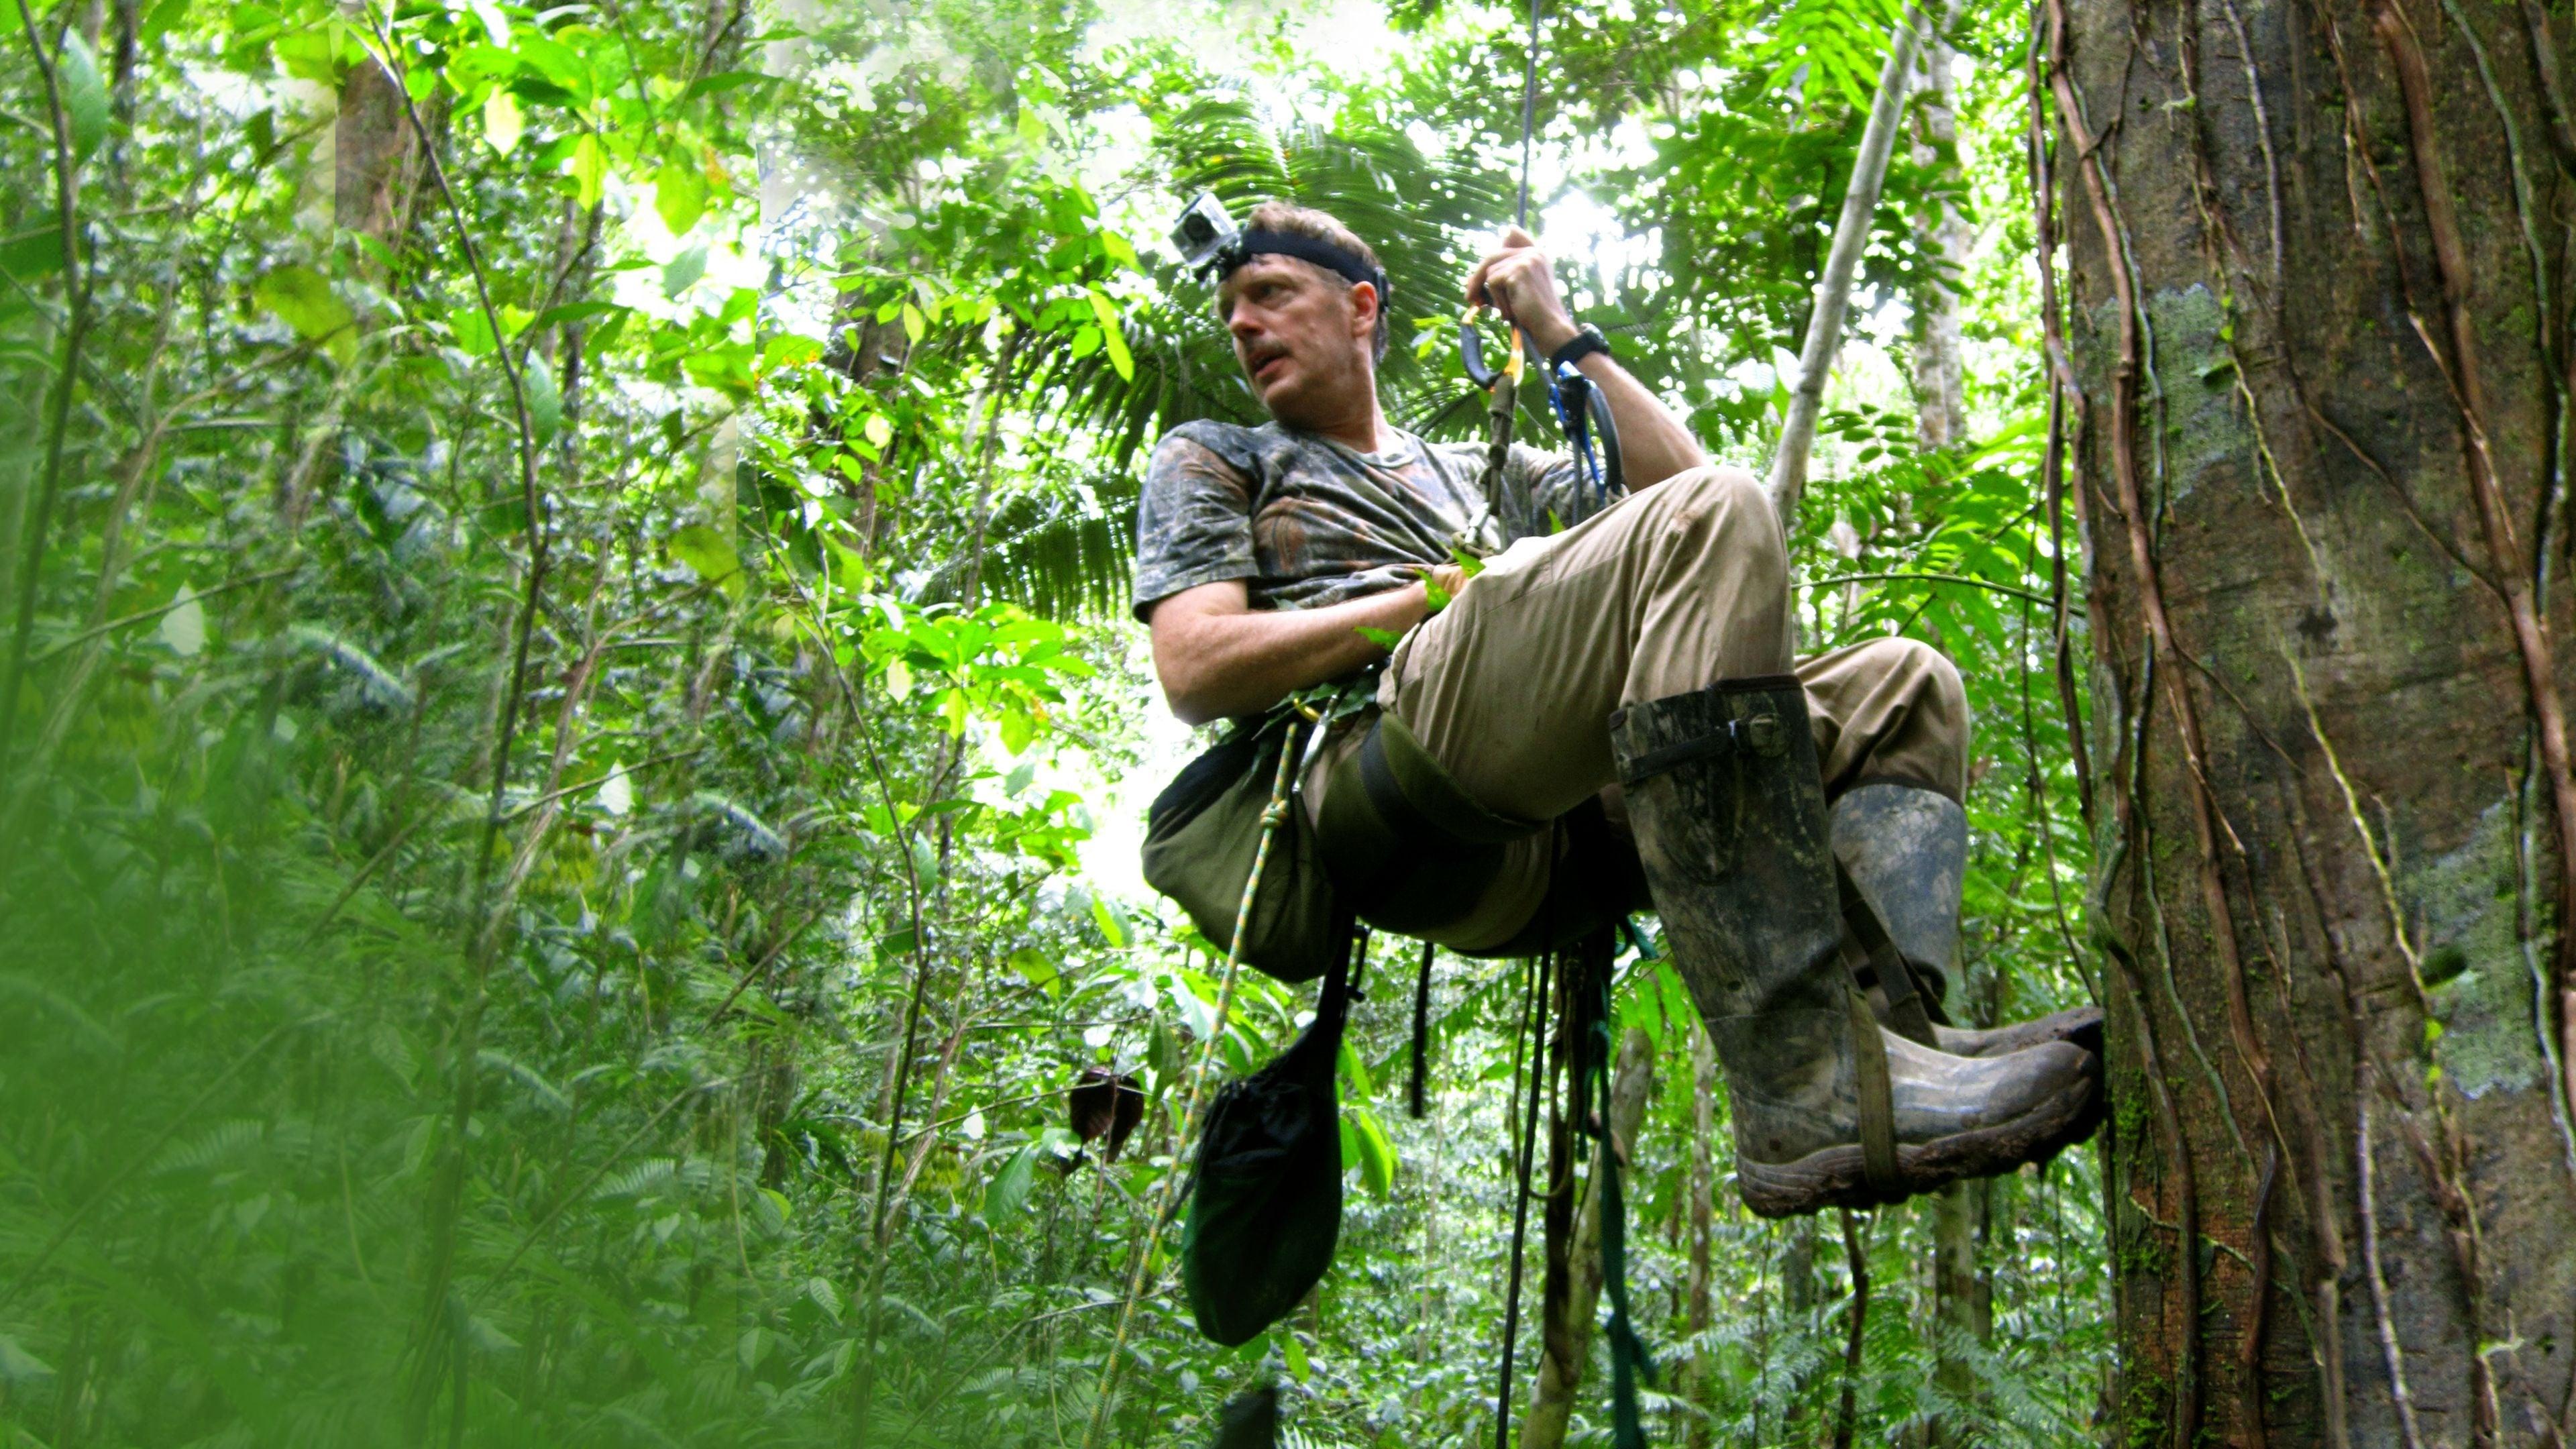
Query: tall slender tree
(1961,1299)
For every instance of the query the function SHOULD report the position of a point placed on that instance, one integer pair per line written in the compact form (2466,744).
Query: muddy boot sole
(2081,1027)
(1835,1176)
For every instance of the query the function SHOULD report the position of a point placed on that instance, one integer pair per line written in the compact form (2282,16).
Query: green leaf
(710,556)
(545,400)
(165,17)
(684,271)
(680,195)
(1383,638)
(84,93)
(878,429)
(1355,1073)
(1295,1353)
(589,170)
(473,332)
(1009,1190)
(17,1366)
(1111,920)
(1019,730)
(1365,1146)
(575,312)
(716,85)
(915,326)
(302,298)
(32,255)
(1111,337)
(824,1296)
(1038,969)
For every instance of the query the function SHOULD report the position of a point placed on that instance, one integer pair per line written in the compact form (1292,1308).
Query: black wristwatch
(1587,341)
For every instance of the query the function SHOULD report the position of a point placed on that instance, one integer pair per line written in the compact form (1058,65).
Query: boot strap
(1877,1096)
(1763,735)
(1870,944)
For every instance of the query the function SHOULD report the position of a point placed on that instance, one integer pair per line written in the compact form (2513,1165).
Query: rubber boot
(1830,1109)
(1905,849)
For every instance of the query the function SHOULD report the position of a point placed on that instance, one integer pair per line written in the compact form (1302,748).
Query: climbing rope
(1581,412)
(1277,811)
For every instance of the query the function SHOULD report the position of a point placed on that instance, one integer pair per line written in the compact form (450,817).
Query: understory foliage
(572,732)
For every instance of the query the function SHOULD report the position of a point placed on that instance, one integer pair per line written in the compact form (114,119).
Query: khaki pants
(1672,589)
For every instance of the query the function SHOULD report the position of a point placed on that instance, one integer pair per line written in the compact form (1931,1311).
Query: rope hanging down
(1591,433)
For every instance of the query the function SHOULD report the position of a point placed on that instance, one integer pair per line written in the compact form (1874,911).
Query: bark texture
(2315,334)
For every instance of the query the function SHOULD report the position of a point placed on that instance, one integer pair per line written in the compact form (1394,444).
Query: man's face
(1301,335)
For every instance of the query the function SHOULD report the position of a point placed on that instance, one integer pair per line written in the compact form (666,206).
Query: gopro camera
(1204,233)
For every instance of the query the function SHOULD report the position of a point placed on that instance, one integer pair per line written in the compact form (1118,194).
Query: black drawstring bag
(1266,1204)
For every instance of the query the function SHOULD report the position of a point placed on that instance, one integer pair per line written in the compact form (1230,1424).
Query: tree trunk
(1959,1300)
(1798,1316)
(2317,320)
(1940,399)
(1568,1329)
(375,157)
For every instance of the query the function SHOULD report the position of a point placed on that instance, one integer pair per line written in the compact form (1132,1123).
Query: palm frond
(1058,555)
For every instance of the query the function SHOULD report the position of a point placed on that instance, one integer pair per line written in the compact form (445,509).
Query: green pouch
(1266,1199)
(1200,837)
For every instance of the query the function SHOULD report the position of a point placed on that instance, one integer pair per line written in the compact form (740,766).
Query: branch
(1788,478)
(148,615)
(76,329)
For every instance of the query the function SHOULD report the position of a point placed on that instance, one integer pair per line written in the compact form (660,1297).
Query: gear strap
(1877,1103)
(1760,735)
(1868,945)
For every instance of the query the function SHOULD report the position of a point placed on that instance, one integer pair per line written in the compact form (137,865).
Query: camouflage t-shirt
(1305,521)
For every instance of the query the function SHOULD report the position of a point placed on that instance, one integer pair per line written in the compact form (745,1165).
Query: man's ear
(1373,309)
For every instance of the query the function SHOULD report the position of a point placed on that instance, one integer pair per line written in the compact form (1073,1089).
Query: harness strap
(1405,847)
(1395,763)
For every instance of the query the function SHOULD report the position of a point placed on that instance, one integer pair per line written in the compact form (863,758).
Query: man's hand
(1218,656)
(1447,579)
(1518,281)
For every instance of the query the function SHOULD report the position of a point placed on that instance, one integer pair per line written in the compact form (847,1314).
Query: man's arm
(1218,657)
(1517,282)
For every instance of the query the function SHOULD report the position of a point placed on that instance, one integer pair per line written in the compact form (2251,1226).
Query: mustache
(1258,355)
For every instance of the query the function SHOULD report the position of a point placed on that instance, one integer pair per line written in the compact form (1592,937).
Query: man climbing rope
(1601,716)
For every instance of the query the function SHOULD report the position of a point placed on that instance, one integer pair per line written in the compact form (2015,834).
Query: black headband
(1305,249)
